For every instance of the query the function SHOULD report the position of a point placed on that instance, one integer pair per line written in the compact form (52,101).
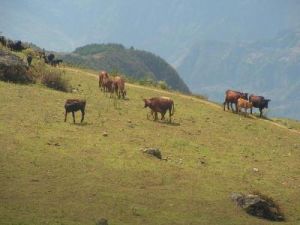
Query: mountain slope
(59,173)
(270,68)
(134,63)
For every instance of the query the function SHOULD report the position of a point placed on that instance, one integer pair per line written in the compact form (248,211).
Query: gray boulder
(258,205)
(13,68)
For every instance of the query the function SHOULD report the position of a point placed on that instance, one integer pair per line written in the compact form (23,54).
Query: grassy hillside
(136,64)
(53,172)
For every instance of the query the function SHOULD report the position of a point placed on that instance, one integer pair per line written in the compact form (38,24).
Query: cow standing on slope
(74,105)
(232,98)
(119,87)
(259,102)
(242,103)
(102,75)
(161,105)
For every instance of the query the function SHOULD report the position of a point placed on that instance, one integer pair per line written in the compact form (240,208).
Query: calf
(232,98)
(73,105)
(161,105)
(242,103)
(119,87)
(259,102)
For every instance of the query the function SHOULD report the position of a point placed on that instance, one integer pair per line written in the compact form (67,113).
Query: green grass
(53,172)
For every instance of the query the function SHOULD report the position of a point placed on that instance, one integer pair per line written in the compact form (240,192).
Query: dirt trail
(182,96)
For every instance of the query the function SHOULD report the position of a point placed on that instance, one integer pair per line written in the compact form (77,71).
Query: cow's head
(266,102)
(147,102)
(244,96)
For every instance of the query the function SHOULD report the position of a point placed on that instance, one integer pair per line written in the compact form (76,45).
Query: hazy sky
(159,26)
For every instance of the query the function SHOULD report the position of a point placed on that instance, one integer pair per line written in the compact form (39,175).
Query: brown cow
(119,87)
(108,85)
(103,74)
(232,97)
(161,105)
(242,103)
(73,105)
(259,102)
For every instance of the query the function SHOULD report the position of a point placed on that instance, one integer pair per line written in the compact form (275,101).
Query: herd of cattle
(241,100)
(18,46)
(111,85)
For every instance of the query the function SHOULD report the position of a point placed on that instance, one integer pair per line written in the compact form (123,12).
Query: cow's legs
(236,107)
(260,110)
(73,114)
(251,110)
(163,115)
(82,115)
(66,116)
(231,106)
(155,116)
(170,114)
(224,105)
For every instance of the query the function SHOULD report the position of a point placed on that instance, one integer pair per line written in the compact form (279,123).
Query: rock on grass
(258,205)
(153,151)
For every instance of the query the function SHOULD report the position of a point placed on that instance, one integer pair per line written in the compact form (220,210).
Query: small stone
(105,134)
(102,221)
(153,151)
(255,169)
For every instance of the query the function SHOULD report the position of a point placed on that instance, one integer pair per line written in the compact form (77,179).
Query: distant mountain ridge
(129,61)
(270,67)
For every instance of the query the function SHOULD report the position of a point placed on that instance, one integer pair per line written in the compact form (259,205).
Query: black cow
(259,102)
(3,40)
(29,59)
(56,62)
(74,105)
(15,46)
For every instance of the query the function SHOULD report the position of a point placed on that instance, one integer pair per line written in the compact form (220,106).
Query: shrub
(163,85)
(54,79)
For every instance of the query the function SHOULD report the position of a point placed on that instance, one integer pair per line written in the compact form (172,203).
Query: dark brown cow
(161,105)
(232,97)
(119,87)
(103,74)
(259,102)
(74,105)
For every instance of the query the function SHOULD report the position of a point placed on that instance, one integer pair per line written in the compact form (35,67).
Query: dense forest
(134,63)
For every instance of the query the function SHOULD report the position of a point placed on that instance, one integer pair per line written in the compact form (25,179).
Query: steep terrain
(53,172)
(134,63)
(270,68)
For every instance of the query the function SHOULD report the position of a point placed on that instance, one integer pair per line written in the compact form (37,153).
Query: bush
(163,85)
(54,79)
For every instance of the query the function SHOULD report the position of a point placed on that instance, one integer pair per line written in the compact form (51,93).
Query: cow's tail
(173,109)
